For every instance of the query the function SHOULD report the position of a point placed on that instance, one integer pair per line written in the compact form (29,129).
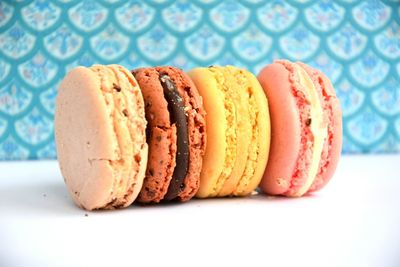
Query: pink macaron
(306,129)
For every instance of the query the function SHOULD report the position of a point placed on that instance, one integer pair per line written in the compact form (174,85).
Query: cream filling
(318,127)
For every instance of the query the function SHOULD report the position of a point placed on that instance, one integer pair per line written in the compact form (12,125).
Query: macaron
(238,127)
(176,134)
(100,136)
(306,123)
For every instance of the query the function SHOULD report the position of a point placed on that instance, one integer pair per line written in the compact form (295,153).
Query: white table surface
(354,221)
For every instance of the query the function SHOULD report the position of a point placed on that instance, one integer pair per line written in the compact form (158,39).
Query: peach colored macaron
(306,129)
(100,136)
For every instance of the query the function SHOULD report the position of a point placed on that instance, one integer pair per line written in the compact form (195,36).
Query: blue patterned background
(356,43)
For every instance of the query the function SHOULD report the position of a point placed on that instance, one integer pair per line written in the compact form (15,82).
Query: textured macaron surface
(260,135)
(306,128)
(161,136)
(226,86)
(238,144)
(100,136)
(176,134)
(333,115)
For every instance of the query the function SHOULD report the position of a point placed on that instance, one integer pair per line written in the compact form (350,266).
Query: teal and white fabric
(356,43)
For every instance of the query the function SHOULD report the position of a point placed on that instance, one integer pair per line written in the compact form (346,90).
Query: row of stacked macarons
(159,134)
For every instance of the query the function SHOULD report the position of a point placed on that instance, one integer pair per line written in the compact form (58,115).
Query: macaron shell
(235,80)
(216,126)
(161,164)
(259,150)
(75,156)
(334,143)
(285,129)
(115,102)
(196,128)
(132,108)
(162,139)
(231,132)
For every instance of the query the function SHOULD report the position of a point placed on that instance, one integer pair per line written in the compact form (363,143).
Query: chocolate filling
(178,117)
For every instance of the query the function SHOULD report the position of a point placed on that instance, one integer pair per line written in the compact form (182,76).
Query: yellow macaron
(238,129)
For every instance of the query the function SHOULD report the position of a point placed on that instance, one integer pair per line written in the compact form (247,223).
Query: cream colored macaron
(100,136)
(238,130)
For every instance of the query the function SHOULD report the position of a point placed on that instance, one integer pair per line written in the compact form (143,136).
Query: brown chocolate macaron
(175,134)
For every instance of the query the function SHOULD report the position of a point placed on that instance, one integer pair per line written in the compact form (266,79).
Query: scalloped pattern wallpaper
(356,43)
